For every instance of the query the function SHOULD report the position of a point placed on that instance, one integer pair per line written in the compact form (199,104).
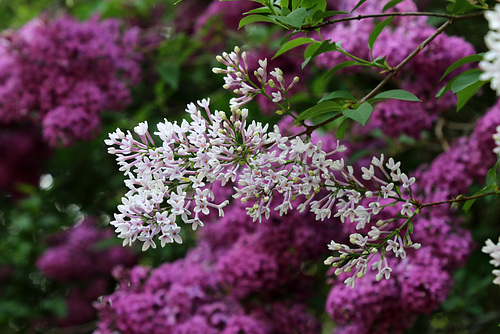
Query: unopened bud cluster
(238,79)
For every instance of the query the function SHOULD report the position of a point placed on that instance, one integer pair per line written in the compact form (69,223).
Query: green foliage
(360,114)
(397,94)
(464,85)
(331,108)
(376,32)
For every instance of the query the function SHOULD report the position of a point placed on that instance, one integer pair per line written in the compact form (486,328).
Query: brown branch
(458,199)
(366,16)
(309,129)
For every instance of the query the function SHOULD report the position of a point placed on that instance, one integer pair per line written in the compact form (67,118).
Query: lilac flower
(490,64)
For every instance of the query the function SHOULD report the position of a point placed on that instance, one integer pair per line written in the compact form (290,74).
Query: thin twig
(366,16)
(454,200)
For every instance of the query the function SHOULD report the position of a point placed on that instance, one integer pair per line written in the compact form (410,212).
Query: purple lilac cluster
(421,281)
(190,296)
(62,73)
(396,42)
(72,256)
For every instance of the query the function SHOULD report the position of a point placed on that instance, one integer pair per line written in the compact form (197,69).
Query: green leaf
(325,46)
(311,49)
(484,190)
(319,109)
(357,5)
(339,94)
(390,4)
(465,79)
(461,6)
(261,10)
(341,66)
(255,18)
(284,4)
(376,32)
(311,3)
(448,86)
(285,11)
(295,18)
(293,44)
(491,177)
(465,94)
(341,128)
(397,94)
(321,15)
(361,114)
(463,61)
(170,74)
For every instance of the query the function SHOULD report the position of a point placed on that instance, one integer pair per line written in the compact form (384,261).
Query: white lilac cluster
(491,63)
(496,138)
(384,236)
(494,251)
(238,79)
(172,182)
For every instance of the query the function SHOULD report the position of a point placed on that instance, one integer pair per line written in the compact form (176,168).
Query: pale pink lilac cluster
(238,80)
(491,63)
(494,251)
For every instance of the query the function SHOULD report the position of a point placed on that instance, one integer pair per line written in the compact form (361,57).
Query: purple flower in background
(63,73)
(72,257)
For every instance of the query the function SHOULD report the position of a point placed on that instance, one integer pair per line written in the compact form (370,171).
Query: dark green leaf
(465,94)
(170,74)
(325,46)
(341,66)
(284,4)
(361,114)
(465,79)
(491,177)
(311,49)
(261,10)
(339,94)
(390,4)
(484,190)
(322,14)
(255,18)
(397,94)
(295,18)
(293,44)
(376,32)
(461,6)
(341,128)
(285,11)
(319,109)
(311,3)
(463,61)
(357,5)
